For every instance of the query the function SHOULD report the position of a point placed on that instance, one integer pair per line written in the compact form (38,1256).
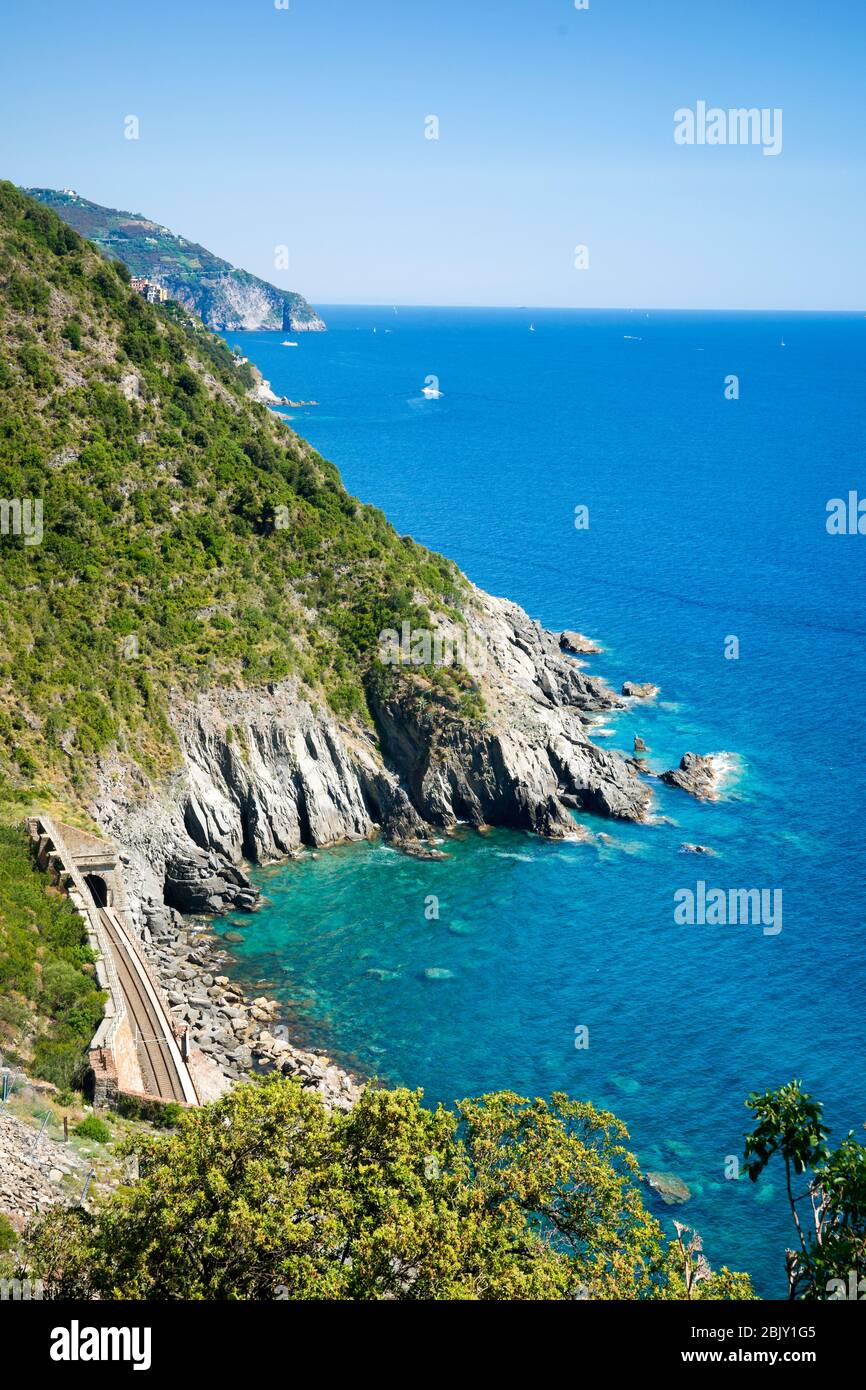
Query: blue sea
(706,522)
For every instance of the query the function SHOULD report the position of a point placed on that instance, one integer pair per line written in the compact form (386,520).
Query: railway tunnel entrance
(99,889)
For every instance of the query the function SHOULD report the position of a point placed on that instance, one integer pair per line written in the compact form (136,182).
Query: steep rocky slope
(194,648)
(222,296)
(265,772)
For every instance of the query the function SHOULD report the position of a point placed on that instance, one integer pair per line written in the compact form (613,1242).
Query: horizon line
(390,305)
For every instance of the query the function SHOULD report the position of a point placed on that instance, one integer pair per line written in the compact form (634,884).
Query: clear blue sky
(305,127)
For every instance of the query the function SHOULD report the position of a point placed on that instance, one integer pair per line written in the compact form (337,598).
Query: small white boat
(431,392)
(286,343)
(783,343)
(532,328)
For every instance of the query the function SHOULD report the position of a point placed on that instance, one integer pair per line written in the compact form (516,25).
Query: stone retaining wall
(112,1054)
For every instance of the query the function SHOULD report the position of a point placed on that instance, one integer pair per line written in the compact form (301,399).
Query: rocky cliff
(222,296)
(218,675)
(264,772)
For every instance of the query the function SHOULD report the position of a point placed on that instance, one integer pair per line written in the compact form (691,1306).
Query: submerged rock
(671,1188)
(437,972)
(639,745)
(696,849)
(626,1084)
(419,851)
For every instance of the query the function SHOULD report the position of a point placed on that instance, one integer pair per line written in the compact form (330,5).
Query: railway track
(158,1068)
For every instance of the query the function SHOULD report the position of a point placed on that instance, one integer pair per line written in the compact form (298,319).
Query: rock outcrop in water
(264,773)
(577,645)
(696,775)
(636,690)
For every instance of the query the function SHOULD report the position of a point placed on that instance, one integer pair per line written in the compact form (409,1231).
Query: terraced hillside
(222,296)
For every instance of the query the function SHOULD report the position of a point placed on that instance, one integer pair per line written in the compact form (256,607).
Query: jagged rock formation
(577,645)
(697,774)
(265,773)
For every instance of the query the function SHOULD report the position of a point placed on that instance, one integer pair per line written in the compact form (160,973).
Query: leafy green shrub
(500,1198)
(72,333)
(8,1234)
(37,366)
(27,293)
(91,1127)
(107,283)
(62,1062)
(168,1116)
(829,1250)
(63,986)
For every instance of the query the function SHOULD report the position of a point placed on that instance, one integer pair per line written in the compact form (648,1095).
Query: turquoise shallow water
(706,520)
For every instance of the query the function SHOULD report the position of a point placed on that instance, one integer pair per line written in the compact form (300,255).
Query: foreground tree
(265,1195)
(829,1211)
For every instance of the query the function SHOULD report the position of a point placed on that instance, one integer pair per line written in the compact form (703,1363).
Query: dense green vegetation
(188,271)
(188,536)
(265,1195)
(91,1127)
(50,1004)
(829,1210)
(8,1234)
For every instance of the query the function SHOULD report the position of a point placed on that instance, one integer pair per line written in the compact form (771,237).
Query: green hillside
(187,537)
(222,296)
(50,1001)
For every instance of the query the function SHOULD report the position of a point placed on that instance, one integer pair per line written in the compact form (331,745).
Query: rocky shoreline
(237,1033)
(266,771)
